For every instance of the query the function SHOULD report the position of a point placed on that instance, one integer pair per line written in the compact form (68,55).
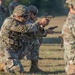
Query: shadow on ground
(51,41)
(50,58)
(48,72)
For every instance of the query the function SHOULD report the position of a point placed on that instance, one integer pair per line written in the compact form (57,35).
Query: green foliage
(44,6)
(27,2)
(6,2)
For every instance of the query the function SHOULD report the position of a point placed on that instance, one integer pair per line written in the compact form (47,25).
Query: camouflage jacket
(41,32)
(11,32)
(68,30)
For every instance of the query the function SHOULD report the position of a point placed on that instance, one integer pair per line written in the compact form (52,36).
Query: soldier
(35,41)
(12,5)
(2,12)
(68,32)
(11,47)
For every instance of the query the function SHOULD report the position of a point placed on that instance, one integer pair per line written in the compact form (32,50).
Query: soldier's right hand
(44,22)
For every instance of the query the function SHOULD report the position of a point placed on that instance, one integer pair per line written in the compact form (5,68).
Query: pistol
(51,28)
(49,17)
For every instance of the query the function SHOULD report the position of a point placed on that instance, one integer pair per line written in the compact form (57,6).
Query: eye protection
(34,14)
(25,16)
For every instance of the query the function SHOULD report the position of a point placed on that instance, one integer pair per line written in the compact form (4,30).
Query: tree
(44,6)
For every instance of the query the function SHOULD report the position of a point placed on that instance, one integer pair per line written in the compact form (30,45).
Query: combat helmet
(33,9)
(20,10)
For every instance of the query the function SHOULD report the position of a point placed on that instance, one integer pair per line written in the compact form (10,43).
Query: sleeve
(34,27)
(73,31)
(18,27)
(38,31)
(72,26)
(44,34)
(12,25)
(40,34)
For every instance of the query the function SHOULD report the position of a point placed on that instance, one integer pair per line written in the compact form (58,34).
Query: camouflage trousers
(69,57)
(11,58)
(33,53)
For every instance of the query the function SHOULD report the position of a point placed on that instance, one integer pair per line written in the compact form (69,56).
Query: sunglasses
(35,14)
(24,16)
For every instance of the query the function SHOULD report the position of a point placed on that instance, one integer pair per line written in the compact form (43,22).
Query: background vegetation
(51,7)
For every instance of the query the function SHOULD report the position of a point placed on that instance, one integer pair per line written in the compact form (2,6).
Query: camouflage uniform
(2,14)
(35,40)
(33,54)
(68,32)
(12,5)
(11,32)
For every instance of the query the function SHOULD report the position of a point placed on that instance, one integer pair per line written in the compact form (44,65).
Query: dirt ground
(51,60)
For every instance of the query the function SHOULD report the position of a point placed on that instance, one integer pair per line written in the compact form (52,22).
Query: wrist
(41,26)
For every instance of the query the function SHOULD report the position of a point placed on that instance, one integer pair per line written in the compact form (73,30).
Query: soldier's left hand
(49,31)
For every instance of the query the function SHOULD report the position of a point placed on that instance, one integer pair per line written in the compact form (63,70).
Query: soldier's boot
(34,66)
